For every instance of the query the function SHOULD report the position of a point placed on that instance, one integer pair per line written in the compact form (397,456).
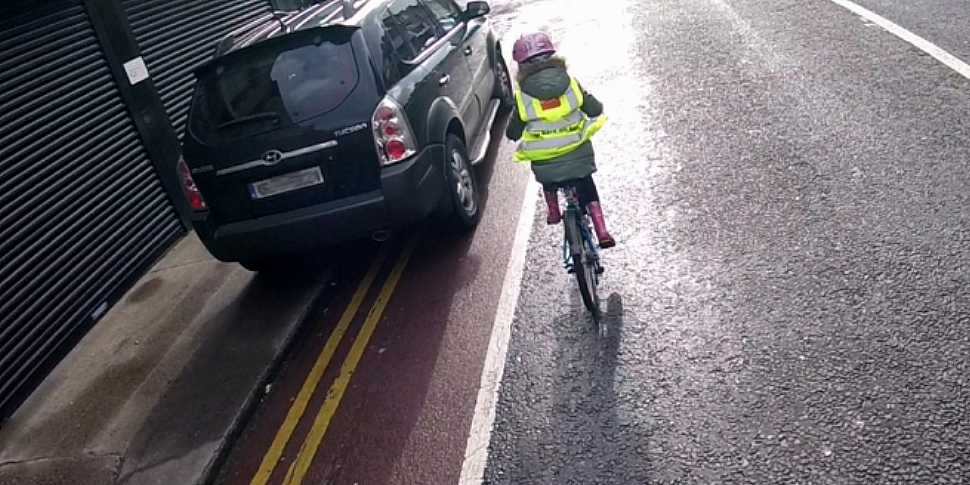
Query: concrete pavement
(155,392)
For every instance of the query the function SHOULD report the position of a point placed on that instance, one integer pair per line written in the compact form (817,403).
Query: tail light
(191,190)
(392,133)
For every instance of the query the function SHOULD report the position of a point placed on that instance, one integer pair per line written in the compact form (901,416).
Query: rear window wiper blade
(255,117)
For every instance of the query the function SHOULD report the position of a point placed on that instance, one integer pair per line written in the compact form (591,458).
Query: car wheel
(503,84)
(462,185)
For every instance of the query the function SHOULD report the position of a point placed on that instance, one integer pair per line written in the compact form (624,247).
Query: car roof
(350,13)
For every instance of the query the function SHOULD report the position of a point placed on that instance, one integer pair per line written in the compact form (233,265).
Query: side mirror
(476,10)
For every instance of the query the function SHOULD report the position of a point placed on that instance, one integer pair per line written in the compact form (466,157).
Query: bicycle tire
(583,267)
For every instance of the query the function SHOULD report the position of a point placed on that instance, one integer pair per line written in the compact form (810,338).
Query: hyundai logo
(272,157)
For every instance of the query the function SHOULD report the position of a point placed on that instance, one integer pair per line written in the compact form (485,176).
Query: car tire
(504,92)
(461,185)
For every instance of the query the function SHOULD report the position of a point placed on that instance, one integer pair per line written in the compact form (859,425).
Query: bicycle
(579,246)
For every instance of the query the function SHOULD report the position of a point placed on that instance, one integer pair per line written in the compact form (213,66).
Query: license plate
(286,183)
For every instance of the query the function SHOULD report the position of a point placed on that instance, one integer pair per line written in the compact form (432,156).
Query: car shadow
(485,170)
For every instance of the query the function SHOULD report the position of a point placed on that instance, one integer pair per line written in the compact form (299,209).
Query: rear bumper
(410,191)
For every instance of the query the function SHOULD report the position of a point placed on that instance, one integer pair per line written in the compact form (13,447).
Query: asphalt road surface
(789,301)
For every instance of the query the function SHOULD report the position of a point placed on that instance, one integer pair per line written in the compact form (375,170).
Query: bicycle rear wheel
(583,265)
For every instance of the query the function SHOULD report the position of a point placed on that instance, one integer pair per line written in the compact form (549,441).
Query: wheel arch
(443,119)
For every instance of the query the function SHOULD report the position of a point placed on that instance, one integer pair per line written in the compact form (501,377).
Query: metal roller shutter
(175,36)
(81,207)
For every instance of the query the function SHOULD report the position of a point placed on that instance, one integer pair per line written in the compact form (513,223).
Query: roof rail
(349,9)
(280,16)
(224,45)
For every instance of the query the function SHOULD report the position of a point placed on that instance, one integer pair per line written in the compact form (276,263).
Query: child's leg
(590,196)
(553,212)
(586,189)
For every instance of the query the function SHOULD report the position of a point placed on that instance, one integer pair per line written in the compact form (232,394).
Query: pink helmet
(532,45)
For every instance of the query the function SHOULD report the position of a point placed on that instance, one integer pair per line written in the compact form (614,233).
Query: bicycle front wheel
(583,265)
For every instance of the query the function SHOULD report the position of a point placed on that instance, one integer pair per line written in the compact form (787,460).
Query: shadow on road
(585,439)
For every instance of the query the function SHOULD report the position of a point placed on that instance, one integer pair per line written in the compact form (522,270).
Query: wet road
(790,294)
(788,302)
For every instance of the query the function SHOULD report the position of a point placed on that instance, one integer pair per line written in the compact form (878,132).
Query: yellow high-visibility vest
(554,127)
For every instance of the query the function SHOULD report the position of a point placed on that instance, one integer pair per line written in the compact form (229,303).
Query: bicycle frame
(573,205)
(582,261)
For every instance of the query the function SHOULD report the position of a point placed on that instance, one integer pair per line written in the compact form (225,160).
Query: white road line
(922,44)
(480,435)
(476,450)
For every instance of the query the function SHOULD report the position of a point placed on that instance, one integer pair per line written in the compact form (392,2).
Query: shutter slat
(81,205)
(176,36)
(77,243)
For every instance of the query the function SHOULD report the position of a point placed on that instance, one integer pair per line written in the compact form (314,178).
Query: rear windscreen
(269,88)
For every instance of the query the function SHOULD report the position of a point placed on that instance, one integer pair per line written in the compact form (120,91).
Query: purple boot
(599,225)
(554,215)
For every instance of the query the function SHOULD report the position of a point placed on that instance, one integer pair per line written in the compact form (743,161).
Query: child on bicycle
(555,118)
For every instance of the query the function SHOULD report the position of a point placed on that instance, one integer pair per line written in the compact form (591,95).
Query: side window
(446,12)
(396,49)
(416,23)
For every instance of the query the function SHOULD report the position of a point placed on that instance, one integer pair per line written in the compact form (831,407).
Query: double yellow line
(301,464)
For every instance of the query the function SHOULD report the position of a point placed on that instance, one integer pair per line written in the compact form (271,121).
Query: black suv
(340,122)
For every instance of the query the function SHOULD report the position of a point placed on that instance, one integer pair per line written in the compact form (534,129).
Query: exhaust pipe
(381,236)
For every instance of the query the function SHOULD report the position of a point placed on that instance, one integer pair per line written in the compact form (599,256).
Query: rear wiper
(256,117)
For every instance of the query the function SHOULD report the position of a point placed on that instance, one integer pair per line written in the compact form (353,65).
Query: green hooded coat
(549,79)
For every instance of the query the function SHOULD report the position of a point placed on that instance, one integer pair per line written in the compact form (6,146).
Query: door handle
(444,80)
(468,51)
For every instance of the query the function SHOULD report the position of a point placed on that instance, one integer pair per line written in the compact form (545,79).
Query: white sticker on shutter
(137,70)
